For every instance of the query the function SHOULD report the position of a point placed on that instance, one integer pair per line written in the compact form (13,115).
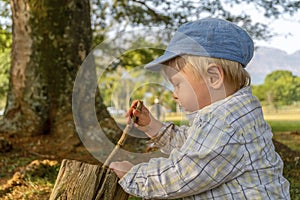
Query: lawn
(284,125)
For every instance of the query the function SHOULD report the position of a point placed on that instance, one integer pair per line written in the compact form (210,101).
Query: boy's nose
(174,96)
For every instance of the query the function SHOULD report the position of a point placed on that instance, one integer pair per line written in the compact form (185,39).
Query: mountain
(267,60)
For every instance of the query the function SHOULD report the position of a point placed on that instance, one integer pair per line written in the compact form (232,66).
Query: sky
(287,27)
(288,38)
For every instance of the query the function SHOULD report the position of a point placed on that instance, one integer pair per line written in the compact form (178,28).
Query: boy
(227,152)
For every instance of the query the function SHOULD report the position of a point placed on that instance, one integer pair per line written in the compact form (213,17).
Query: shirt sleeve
(170,137)
(209,157)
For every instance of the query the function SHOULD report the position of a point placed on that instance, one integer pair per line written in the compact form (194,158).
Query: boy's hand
(143,115)
(121,168)
(146,122)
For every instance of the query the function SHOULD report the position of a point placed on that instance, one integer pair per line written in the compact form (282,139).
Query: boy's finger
(137,108)
(136,113)
(134,103)
(112,165)
(129,112)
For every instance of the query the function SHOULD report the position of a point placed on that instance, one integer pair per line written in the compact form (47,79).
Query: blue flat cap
(208,37)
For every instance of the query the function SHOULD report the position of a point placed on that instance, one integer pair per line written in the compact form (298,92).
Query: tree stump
(77,181)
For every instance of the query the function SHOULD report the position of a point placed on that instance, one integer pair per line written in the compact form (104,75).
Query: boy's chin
(188,110)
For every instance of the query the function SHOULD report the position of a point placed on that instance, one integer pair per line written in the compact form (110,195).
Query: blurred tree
(110,16)
(117,85)
(280,87)
(5,48)
(169,14)
(259,92)
(4,78)
(5,25)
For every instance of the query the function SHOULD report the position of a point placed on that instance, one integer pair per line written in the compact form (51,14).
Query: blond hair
(234,72)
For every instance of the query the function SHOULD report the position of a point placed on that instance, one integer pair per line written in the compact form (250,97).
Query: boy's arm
(169,136)
(165,136)
(204,162)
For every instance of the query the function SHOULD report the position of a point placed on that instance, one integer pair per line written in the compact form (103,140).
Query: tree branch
(157,16)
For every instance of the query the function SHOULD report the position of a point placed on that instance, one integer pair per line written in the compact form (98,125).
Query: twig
(123,137)
(117,147)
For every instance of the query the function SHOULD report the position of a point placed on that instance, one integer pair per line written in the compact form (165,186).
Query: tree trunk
(78,180)
(51,38)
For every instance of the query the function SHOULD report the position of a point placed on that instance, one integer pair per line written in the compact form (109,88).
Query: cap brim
(156,64)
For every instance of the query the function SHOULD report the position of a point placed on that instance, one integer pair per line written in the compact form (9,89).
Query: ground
(19,180)
(28,170)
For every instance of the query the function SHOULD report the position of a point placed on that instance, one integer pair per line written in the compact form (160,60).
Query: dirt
(285,152)
(23,152)
(48,147)
(26,161)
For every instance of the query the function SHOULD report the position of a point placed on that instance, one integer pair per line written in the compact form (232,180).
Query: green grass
(284,126)
(287,132)
(8,164)
(38,180)
(180,122)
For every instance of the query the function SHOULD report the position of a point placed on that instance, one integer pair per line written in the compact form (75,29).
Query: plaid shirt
(226,153)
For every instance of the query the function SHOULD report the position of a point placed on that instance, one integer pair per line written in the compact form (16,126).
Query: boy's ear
(215,76)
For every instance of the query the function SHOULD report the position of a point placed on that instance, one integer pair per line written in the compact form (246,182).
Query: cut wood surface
(78,181)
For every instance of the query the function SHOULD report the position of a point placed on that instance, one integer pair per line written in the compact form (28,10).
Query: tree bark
(51,38)
(77,180)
